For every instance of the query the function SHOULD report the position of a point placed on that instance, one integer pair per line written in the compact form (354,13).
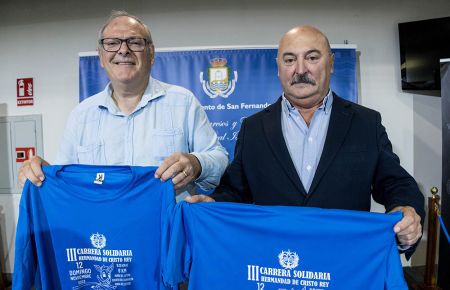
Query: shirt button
(310,139)
(309,167)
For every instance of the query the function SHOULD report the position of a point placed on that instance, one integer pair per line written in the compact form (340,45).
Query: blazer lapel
(273,133)
(340,120)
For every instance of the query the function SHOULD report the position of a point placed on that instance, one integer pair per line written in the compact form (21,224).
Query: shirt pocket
(115,152)
(165,142)
(91,154)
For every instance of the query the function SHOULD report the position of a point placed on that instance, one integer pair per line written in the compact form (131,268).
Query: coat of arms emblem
(288,260)
(218,83)
(98,240)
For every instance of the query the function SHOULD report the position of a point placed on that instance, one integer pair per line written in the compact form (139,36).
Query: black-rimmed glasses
(135,44)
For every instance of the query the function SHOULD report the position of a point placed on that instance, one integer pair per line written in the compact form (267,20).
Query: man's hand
(198,198)
(409,229)
(183,168)
(32,170)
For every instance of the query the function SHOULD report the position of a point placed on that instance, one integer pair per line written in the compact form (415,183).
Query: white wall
(41,39)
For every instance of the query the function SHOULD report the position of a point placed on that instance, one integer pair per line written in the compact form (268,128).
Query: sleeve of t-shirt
(175,268)
(395,279)
(24,257)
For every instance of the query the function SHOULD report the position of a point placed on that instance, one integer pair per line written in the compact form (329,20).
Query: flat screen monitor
(422,44)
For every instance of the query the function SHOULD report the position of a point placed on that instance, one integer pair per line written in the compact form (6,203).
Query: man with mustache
(138,120)
(312,148)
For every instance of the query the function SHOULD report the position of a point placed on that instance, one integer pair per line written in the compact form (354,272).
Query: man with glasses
(312,148)
(138,120)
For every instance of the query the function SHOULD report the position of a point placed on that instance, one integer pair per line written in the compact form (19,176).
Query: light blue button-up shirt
(305,144)
(168,119)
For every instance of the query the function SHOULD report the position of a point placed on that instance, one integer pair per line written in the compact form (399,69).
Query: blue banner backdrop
(231,84)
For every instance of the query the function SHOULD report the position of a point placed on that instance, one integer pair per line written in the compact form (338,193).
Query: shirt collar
(153,90)
(325,106)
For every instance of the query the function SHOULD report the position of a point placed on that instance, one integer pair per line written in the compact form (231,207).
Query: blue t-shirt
(92,227)
(241,246)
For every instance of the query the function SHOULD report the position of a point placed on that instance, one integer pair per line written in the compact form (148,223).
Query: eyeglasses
(135,44)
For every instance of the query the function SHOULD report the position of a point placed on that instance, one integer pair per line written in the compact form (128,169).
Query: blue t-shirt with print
(243,246)
(92,227)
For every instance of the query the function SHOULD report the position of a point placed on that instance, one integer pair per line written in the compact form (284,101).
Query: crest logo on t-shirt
(98,240)
(288,259)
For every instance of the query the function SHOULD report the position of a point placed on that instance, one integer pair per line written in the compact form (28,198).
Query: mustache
(302,79)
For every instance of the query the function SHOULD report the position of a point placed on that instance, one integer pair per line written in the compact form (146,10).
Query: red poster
(25,91)
(24,153)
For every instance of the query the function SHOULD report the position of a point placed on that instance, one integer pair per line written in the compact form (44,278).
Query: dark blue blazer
(357,162)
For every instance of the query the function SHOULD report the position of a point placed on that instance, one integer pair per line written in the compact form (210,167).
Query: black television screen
(422,44)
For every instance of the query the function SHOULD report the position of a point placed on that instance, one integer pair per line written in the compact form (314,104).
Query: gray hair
(115,14)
